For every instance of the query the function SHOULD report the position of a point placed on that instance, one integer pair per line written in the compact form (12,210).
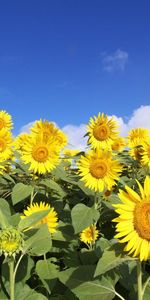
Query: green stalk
(11,279)
(139,280)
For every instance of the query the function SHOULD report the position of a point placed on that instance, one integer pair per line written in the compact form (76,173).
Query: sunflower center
(2,145)
(101,132)
(40,154)
(1,123)
(142,220)
(98,169)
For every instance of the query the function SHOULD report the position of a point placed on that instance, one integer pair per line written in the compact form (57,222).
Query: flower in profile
(42,156)
(146,154)
(20,140)
(136,153)
(133,222)
(137,137)
(11,241)
(118,144)
(5,120)
(47,130)
(51,219)
(99,170)
(89,235)
(102,131)
(5,145)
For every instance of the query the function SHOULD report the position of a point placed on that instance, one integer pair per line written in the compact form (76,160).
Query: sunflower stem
(11,279)
(139,280)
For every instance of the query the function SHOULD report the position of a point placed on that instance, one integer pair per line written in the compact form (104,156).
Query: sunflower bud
(11,241)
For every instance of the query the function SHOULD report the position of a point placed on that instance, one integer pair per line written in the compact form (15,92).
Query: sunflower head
(99,170)
(133,222)
(11,241)
(146,154)
(51,219)
(5,120)
(118,144)
(136,153)
(42,156)
(89,235)
(102,131)
(137,137)
(47,130)
(20,140)
(6,142)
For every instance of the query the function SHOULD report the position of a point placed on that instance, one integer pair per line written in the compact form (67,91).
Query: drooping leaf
(33,219)
(83,216)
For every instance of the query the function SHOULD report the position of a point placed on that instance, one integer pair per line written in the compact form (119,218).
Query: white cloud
(115,61)
(139,118)
(76,136)
(26,128)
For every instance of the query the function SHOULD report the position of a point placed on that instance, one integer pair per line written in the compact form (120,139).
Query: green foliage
(83,216)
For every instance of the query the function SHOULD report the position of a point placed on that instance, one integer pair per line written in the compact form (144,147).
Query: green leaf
(4,206)
(21,192)
(80,281)
(110,260)
(24,292)
(83,216)
(40,242)
(33,219)
(47,272)
(51,184)
(4,222)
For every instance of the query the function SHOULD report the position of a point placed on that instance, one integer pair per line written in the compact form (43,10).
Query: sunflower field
(74,224)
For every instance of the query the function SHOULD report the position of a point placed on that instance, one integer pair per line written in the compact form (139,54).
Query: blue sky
(66,60)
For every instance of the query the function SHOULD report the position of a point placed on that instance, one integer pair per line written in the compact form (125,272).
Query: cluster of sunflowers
(100,169)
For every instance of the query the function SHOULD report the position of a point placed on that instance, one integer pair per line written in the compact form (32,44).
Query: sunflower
(51,219)
(102,131)
(99,170)
(133,223)
(118,144)
(5,145)
(5,120)
(11,241)
(42,156)
(146,154)
(137,137)
(48,130)
(89,235)
(20,141)
(136,153)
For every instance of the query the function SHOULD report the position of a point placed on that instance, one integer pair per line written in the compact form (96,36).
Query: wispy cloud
(116,61)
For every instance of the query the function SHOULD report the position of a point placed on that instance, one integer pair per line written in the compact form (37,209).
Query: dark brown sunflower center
(101,132)
(142,220)
(40,154)
(98,169)
(1,123)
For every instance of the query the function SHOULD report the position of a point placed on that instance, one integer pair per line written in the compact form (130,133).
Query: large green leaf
(47,271)
(5,213)
(21,192)
(40,242)
(80,281)
(33,219)
(24,292)
(110,260)
(83,216)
